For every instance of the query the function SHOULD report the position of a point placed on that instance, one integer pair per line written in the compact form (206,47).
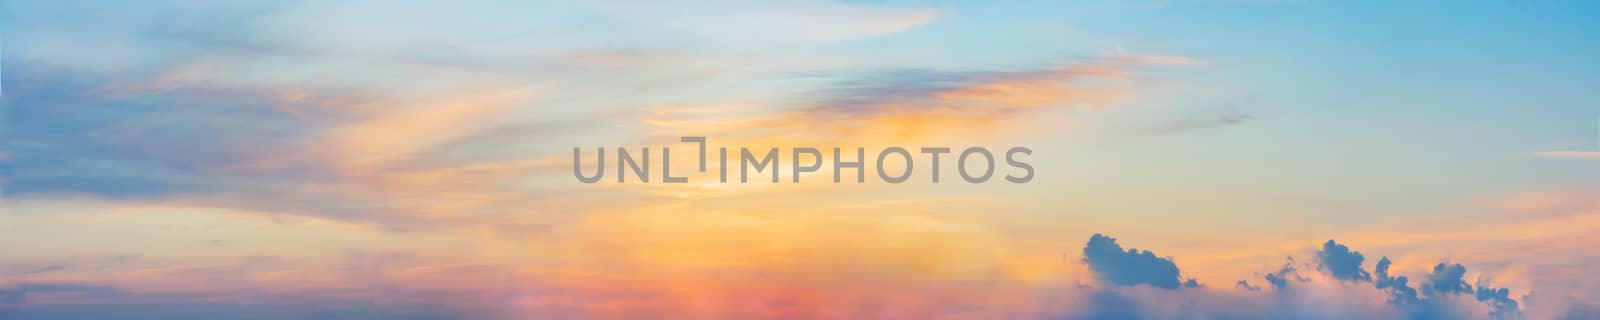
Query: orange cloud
(369,144)
(905,110)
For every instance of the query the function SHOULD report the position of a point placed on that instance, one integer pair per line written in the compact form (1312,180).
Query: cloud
(1245,284)
(1192,125)
(183,136)
(907,105)
(31,292)
(1445,283)
(1341,263)
(1448,296)
(1068,83)
(371,144)
(1322,295)
(1572,154)
(414,284)
(1500,301)
(1128,268)
(1333,293)
(1448,279)
(1280,279)
(744,24)
(1517,237)
(339,113)
(1400,292)
(381,124)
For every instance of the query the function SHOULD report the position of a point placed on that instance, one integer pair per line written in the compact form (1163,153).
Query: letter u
(600,166)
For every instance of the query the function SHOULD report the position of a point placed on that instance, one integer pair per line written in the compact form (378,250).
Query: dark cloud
(1280,279)
(43,269)
(1444,282)
(859,92)
(1245,284)
(1500,303)
(1132,267)
(1400,293)
(1341,263)
(1444,285)
(1277,281)
(1447,296)
(1448,279)
(1197,124)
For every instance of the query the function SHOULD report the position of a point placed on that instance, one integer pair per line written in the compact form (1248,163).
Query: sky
(413,160)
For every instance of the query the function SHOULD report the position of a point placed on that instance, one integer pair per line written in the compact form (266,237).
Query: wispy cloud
(910,105)
(1571,154)
(1198,124)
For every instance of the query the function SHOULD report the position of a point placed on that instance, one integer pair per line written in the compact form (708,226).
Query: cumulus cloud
(1342,263)
(1338,289)
(1133,267)
(1448,279)
(1400,293)
(1499,299)
(1446,290)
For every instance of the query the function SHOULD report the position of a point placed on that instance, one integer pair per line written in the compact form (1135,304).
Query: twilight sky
(412,160)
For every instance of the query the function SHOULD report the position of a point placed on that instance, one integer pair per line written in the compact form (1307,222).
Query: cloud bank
(1342,288)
